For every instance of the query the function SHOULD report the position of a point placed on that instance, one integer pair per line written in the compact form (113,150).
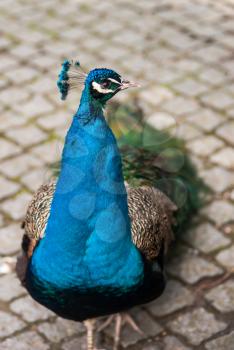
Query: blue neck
(89,226)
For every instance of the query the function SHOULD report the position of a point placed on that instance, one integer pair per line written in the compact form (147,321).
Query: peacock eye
(106,83)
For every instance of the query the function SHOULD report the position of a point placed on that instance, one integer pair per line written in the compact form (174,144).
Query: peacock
(95,238)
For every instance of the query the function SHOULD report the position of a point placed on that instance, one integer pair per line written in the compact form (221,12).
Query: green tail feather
(152,157)
(156,158)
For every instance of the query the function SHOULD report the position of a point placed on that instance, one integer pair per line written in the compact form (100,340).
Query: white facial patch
(114,81)
(100,89)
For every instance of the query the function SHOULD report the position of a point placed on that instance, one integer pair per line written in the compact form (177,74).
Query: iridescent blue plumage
(87,248)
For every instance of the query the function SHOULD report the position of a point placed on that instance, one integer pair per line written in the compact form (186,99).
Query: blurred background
(181,52)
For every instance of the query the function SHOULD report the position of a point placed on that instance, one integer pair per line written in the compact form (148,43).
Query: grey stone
(180,106)
(16,166)
(35,178)
(8,188)
(206,238)
(10,287)
(33,108)
(226,131)
(192,268)
(205,119)
(218,179)
(27,136)
(222,297)
(25,341)
(74,344)
(190,87)
(218,99)
(11,237)
(30,310)
(18,205)
(149,327)
(225,157)
(9,324)
(221,343)
(219,212)
(172,343)
(226,257)
(49,152)
(212,76)
(196,326)
(174,298)
(21,75)
(205,146)
(61,329)
(8,149)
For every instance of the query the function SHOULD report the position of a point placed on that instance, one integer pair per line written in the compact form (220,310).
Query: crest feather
(70,76)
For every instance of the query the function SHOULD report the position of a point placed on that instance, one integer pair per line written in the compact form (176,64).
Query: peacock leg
(90,326)
(120,320)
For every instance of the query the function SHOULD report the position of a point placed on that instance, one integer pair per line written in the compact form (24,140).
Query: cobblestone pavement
(182,53)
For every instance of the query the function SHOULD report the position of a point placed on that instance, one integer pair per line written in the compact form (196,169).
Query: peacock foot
(121,319)
(90,326)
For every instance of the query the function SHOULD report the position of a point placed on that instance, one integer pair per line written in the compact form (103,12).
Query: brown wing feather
(152,219)
(34,225)
(151,214)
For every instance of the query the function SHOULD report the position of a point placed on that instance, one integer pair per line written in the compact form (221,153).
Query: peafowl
(94,245)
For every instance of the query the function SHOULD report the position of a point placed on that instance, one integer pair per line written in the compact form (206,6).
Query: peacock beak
(125,84)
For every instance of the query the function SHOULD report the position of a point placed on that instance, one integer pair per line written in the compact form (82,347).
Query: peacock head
(102,83)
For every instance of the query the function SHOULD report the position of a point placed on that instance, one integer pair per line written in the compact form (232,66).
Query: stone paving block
(13,95)
(219,211)
(10,287)
(17,205)
(180,106)
(7,188)
(196,326)
(11,237)
(218,179)
(213,76)
(9,324)
(190,88)
(205,119)
(206,238)
(27,136)
(30,310)
(204,146)
(45,85)
(8,149)
(162,121)
(192,268)
(35,178)
(224,157)
(21,75)
(74,344)
(172,343)
(34,107)
(226,258)
(187,132)
(218,99)
(226,131)
(155,95)
(25,341)
(49,152)
(173,298)
(211,54)
(222,297)
(7,264)
(59,119)
(17,166)
(225,343)
(61,329)
(149,327)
